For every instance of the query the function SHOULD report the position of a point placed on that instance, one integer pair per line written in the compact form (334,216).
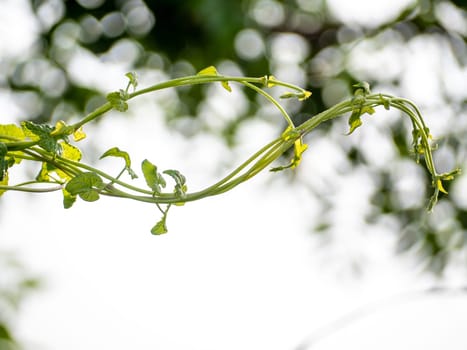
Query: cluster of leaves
(61,163)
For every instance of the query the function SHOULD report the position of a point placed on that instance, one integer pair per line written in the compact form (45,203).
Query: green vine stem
(62,169)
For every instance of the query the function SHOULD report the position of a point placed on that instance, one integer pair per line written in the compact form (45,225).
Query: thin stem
(30,189)
(273,101)
(112,179)
(93,115)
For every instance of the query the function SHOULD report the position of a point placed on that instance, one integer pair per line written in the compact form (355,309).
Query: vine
(61,168)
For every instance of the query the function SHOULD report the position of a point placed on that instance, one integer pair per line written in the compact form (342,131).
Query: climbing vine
(60,167)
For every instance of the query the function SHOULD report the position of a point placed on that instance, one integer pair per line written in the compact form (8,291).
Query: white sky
(239,271)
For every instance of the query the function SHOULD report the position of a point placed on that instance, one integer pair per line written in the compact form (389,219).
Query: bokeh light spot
(140,20)
(268,13)
(50,12)
(91,29)
(289,48)
(113,24)
(90,4)
(249,44)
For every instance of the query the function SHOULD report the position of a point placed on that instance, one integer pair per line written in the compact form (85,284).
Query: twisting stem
(76,178)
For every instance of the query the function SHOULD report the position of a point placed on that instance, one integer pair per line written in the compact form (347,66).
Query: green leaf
(61,128)
(354,121)
(299,148)
(362,88)
(44,172)
(419,147)
(89,196)
(154,180)
(177,176)
(225,85)
(211,70)
(11,132)
(446,177)
(79,134)
(117,100)
(68,199)
(116,152)
(42,133)
(36,131)
(86,185)
(180,182)
(4,182)
(358,109)
(160,228)
(69,152)
(133,81)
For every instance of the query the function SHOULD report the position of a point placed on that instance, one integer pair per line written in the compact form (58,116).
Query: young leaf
(299,148)
(269,81)
(42,132)
(225,85)
(68,199)
(211,70)
(161,226)
(363,86)
(116,152)
(358,107)
(79,134)
(133,81)
(290,133)
(11,132)
(4,182)
(70,152)
(86,185)
(60,127)
(154,180)
(36,131)
(44,172)
(301,96)
(180,182)
(446,177)
(117,100)
(304,95)
(385,102)
(439,184)
(354,121)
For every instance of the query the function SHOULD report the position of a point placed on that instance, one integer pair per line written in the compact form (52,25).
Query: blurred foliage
(302,41)
(305,42)
(15,284)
